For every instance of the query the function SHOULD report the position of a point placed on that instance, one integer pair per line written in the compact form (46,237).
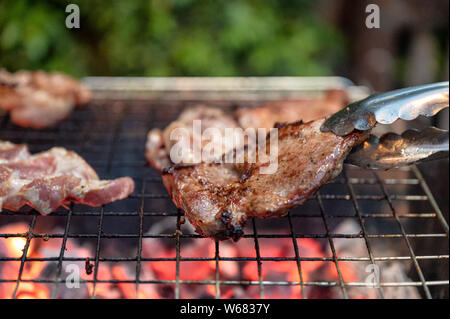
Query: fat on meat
(39,99)
(53,178)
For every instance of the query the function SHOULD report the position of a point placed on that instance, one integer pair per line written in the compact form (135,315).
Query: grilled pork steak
(159,143)
(218,198)
(267,115)
(51,179)
(38,99)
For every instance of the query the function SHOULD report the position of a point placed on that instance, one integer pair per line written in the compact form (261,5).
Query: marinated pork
(159,143)
(218,198)
(51,179)
(306,110)
(38,99)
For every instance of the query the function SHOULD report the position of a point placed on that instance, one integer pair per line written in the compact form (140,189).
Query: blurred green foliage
(169,37)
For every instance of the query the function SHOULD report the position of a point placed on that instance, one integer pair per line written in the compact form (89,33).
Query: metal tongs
(393,150)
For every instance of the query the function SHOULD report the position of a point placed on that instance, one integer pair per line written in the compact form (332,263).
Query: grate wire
(363,228)
(129,121)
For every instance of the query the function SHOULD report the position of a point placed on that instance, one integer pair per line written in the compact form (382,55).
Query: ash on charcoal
(359,271)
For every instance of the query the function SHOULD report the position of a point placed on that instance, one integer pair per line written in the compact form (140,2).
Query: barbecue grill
(394,209)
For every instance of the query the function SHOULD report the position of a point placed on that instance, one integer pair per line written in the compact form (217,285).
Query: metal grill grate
(110,135)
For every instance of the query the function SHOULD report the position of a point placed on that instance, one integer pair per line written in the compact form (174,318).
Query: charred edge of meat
(232,231)
(285,124)
(11,85)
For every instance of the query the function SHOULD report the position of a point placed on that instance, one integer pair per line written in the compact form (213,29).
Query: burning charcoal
(63,290)
(359,271)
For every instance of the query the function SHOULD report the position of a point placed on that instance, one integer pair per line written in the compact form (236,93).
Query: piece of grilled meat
(159,143)
(51,179)
(267,115)
(39,99)
(218,198)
